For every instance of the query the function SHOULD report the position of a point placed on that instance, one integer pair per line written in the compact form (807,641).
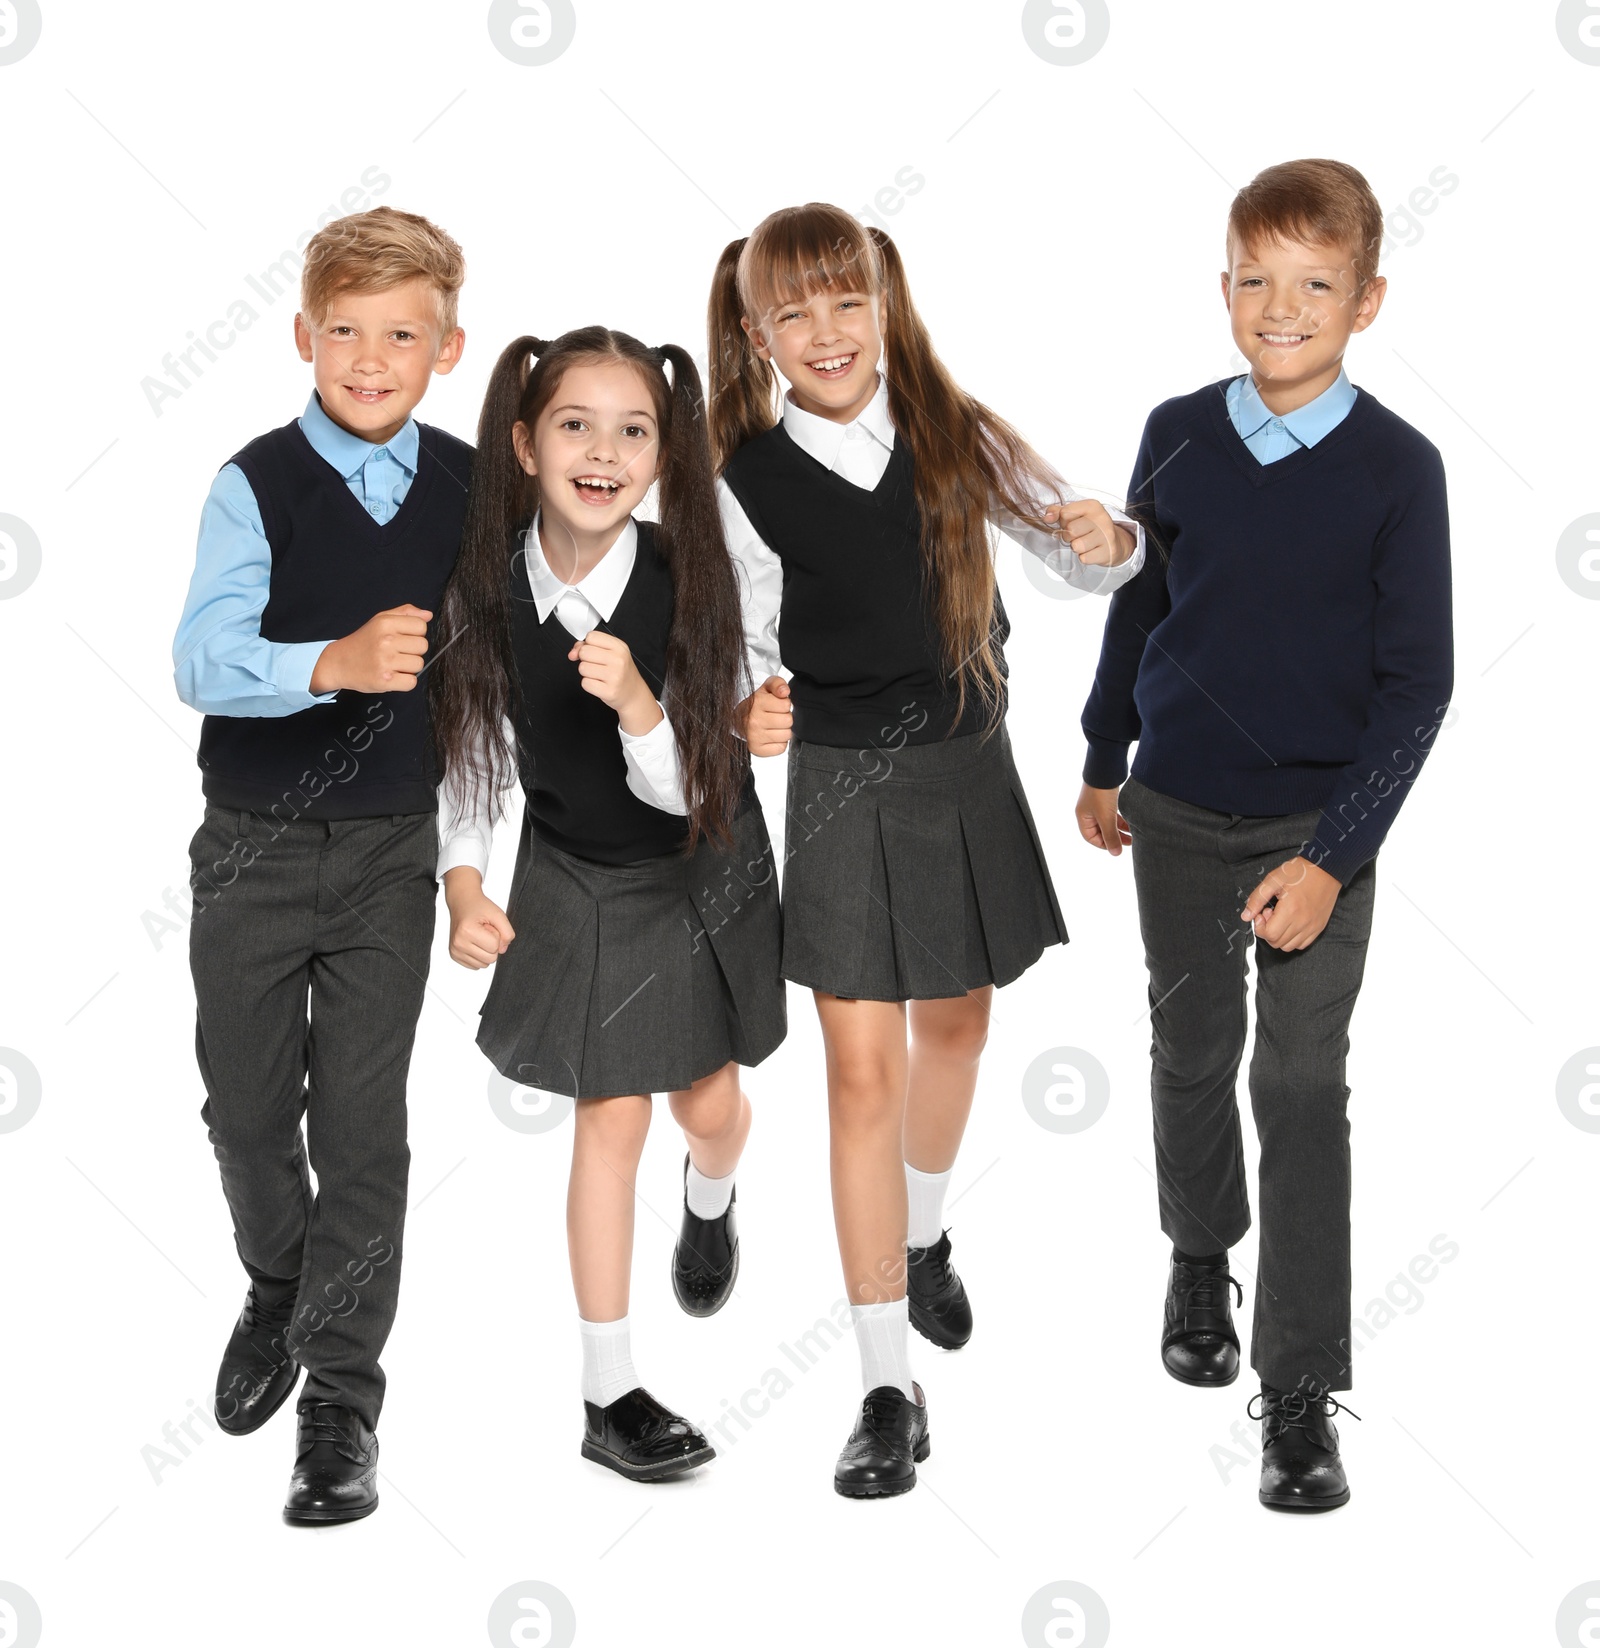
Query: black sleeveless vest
(855,628)
(570,757)
(333,567)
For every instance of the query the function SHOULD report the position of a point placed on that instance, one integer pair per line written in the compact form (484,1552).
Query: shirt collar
(1308,423)
(821,438)
(603,586)
(348,453)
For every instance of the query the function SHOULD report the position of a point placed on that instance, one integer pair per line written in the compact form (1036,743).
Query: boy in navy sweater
(1284,663)
(324,549)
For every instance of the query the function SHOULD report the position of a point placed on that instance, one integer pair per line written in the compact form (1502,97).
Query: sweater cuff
(1106,765)
(1340,861)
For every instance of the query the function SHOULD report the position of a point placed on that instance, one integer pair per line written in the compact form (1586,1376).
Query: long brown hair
(966,459)
(474,681)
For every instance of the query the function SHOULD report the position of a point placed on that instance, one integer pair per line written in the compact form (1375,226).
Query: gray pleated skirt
(638,978)
(912,874)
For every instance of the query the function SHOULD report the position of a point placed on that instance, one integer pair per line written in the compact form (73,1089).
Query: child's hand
(1090,533)
(479,931)
(767,717)
(1099,822)
(384,655)
(1305,898)
(609,672)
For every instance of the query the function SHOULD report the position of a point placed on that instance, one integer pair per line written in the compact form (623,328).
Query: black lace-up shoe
(257,1372)
(336,1466)
(705,1262)
(1198,1342)
(889,1442)
(1300,1465)
(936,1297)
(640,1439)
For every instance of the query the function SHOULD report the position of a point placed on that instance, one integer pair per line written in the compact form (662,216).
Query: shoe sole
(320,1519)
(1303,1506)
(1210,1384)
(230,1430)
(884,1490)
(701,1315)
(927,1326)
(646,1473)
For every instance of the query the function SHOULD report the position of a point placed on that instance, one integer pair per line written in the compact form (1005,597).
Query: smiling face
(595,448)
(373,353)
(827,347)
(1294,308)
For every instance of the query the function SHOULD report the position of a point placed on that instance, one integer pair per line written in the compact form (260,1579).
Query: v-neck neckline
(1281,469)
(409,505)
(875,494)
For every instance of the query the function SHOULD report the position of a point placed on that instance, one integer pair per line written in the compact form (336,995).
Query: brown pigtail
(744,388)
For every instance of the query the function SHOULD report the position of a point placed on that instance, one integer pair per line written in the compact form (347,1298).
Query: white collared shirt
(651,759)
(859,452)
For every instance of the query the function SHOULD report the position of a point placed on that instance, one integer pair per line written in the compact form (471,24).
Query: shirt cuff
(293,665)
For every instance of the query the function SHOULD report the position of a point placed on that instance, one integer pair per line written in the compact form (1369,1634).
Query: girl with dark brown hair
(599,658)
(914,881)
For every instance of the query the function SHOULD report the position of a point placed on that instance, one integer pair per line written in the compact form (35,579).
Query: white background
(1064,248)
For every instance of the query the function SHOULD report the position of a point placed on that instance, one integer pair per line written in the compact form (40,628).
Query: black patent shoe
(1198,1342)
(336,1466)
(1300,1465)
(257,1373)
(705,1262)
(935,1296)
(638,1438)
(889,1442)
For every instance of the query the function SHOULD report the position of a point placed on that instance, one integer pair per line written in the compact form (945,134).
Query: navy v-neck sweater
(1287,644)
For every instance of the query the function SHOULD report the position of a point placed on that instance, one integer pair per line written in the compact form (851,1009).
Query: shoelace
(1290,1408)
(313,1429)
(255,1314)
(880,1410)
(1199,1290)
(937,1262)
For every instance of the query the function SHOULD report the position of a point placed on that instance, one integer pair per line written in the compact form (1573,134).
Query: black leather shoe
(705,1262)
(335,1469)
(1198,1342)
(257,1373)
(936,1297)
(638,1438)
(889,1442)
(1300,1465)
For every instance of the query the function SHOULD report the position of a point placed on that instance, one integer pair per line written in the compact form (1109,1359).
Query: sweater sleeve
(1413,673)
(1110,717)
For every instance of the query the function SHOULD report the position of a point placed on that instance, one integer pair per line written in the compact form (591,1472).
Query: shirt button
(1277,423)
(382,452)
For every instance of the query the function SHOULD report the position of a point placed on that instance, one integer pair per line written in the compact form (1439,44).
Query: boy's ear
(1371,302)
(1227,289)
(450,352)
(302,336)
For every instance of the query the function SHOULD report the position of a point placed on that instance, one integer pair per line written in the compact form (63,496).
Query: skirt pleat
(915,875)
(637,978)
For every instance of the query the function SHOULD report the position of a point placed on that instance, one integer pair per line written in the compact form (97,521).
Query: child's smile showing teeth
(596,490)
(833,366)
(369,397)
(1283,340)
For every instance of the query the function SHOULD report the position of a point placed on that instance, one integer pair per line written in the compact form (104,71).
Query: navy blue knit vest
(572,768)
(333,567)
(855,630)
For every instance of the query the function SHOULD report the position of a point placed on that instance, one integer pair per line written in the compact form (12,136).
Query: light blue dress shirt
(1271,437)
(221,664)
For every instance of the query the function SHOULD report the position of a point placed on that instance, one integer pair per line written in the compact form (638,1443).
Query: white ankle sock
(607,1361)
(708,1198)
(925,1206)
(882,1339)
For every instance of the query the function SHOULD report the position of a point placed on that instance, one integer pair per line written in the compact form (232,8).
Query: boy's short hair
(373,251)
(1318,202)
